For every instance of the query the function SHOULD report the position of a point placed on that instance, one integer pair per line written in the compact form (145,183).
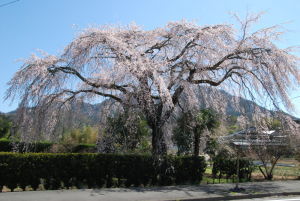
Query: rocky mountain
(91,114)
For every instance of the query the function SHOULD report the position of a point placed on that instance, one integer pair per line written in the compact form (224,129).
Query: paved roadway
(212,192)
(285,198)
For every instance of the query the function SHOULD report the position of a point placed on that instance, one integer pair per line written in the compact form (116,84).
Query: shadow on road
(217,189)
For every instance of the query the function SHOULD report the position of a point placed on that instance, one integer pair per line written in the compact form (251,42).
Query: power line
(8,3)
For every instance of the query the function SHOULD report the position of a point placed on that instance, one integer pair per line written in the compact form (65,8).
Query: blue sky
(49,25)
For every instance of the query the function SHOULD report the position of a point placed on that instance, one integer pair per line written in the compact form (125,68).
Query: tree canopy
(151,69)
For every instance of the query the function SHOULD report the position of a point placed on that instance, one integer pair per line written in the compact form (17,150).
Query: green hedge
(96,170)
(5,145)
(84,148)
(227,167)
(8,146)
(42,147)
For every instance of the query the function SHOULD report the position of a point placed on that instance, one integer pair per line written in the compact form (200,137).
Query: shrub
(96,170)
(84,148)
(189,169)
(5,145)
(225,165)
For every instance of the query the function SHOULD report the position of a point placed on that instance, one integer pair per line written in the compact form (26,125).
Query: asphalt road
(285,198)
(156,193)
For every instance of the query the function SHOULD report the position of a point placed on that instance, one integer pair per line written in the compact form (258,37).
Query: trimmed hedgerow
(8,146)
(227,167)
(96,170)
(84,148)
(41,147)
(5,145)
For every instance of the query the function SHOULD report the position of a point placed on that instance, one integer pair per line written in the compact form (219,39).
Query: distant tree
(232,124)
(151,69)
(211,148)
(83,135)
(183,133)
(269,155)
(190,127)
(268,146)
(206,119)
(273,124)
(262,144)
(5,126)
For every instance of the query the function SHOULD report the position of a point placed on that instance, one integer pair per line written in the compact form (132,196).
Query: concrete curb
(239,197)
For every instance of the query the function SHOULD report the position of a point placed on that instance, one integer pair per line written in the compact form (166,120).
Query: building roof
(252,136)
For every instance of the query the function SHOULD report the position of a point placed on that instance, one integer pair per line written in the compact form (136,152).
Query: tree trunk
(237,169)
(159,146)
(269,176)
(273,163)
(196,143)
(262,171)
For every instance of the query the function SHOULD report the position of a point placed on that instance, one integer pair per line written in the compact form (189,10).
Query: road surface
(212,192)
(284,198)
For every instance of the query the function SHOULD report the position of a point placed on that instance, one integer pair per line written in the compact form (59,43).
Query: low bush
(226,166)
(96,170)
(5,145)
(84,148)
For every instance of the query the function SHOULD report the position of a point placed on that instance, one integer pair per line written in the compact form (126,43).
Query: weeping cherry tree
(150,70)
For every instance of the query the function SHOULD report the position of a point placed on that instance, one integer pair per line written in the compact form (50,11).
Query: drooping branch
(228,74)
(74,93)
(70,70)
(159,45)
(237,55)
